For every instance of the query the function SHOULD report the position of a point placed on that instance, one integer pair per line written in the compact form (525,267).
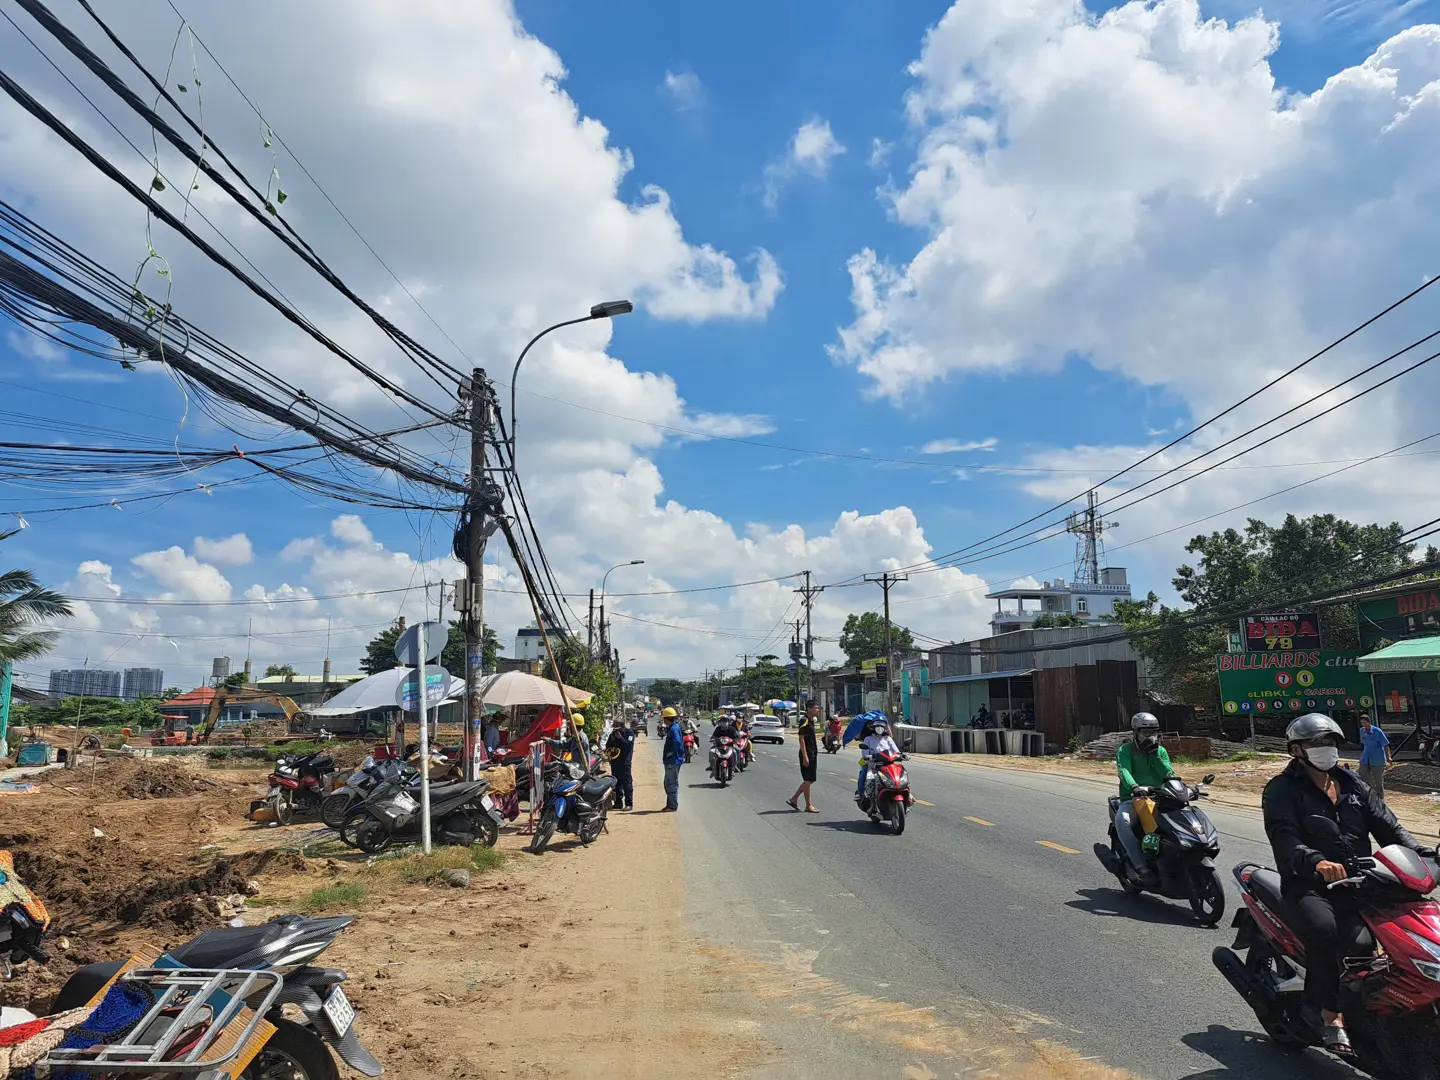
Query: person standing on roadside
(808,751)
(1375,755)
(673,756)
(620,749)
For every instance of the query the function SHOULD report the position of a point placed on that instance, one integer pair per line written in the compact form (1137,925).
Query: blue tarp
(858,722)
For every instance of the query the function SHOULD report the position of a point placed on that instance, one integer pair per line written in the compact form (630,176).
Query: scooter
(461,814)
(831,740)
(298,784)
(722,759)
(1389,990)
(887,795)
(744,752)
(277,953)
(577,801)
(1184,865)
(362,783)
(691,741)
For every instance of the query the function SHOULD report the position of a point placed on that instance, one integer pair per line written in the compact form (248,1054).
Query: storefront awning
(984,675)
(1417,654)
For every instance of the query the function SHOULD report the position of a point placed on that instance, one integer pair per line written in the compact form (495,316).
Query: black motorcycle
(461,814)
(322,1018)
(1183,867)
(362,784)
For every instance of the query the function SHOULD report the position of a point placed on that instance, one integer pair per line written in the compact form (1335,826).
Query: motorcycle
(362,783)
(887,791)
(577,801)
(298,784)
(744,751)
(722,759)
(691,741)
(268,964)
(461,814)
(1185,863)
(1389,990)
(831,740)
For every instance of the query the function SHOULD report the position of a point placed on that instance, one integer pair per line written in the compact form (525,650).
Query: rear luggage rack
(215,1001)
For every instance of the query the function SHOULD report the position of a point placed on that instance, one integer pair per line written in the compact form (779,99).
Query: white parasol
(520,688)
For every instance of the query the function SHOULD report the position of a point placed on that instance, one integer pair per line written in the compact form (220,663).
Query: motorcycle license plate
(339,1011)
(406,803)
(487,802)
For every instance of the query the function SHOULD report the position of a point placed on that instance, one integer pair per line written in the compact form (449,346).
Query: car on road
(767,729)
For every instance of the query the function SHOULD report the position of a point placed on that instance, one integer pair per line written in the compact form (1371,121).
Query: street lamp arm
(515,374)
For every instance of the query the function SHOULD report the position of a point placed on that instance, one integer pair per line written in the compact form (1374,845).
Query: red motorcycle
(1389,991)
(744,752)
(887,790)
(831,739)
(691,742)
(722,759)
(299,784)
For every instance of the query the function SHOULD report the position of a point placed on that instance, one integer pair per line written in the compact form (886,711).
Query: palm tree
(24,607)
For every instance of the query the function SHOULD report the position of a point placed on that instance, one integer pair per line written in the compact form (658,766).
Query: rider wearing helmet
(877,738)
(1142,764)
(1318,816)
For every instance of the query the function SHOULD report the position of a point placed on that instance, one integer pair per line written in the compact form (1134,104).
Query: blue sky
(708,104)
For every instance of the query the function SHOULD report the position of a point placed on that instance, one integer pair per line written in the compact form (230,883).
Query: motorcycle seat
(225,945)
(1265,884)
(594,790)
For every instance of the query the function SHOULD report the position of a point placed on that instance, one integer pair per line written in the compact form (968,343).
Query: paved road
(991,908)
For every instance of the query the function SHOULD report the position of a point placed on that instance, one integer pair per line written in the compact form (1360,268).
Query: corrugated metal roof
(1016,673)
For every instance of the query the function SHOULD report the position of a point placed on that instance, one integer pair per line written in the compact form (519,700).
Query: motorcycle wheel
(897,815)
(372,837)
(1207,896)
(334,807)
(283,806)
(352,821)
(590,830)
(1126,881)
(292,1053)
(544,830)
(487,829)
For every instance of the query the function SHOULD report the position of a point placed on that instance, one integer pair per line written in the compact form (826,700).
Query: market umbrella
(750,705)
(520,688)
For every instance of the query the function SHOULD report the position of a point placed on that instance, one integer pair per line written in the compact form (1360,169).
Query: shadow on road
(1113,903)
(713,784)
(848,825)
(1247,1053)
(766,813)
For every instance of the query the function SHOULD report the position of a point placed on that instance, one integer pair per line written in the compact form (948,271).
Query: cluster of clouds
(1133,189)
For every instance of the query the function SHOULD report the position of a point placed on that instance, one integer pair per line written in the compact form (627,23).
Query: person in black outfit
(1318,817)
(806,731)
(620,749)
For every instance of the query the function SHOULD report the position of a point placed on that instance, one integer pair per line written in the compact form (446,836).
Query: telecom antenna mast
(1087,528)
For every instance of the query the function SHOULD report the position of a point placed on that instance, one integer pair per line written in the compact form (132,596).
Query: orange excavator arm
(241,694)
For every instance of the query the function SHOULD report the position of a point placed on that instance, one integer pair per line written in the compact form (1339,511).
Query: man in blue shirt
(621,751)
(1374,755)
(673,757)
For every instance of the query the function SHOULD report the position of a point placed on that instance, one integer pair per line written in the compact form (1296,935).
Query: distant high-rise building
(93,682)
(143,682)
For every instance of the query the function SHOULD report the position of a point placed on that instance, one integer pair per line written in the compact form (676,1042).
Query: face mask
(1323,758)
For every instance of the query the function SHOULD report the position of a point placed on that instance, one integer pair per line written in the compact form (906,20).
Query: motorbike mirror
(1208,778)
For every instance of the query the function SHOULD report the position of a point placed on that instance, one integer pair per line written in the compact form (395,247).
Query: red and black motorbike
(1389,990)
(299,784)
(831,739)
(887,790)
(722,759)
(744,750)
(691,741)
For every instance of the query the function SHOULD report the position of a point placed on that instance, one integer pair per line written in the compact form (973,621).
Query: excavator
(167,735)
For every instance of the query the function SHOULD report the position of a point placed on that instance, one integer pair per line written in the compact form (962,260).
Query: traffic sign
(437,688)
(426,637)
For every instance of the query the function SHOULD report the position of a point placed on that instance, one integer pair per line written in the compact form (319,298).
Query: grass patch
(336,893)
(426,869)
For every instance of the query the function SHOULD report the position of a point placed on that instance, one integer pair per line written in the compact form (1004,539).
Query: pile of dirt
(129,778)
(1414,777)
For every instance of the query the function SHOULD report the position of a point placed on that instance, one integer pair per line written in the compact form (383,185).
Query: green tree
(94,712)
(1052,621)
(669,691)
(235,679)
(863,638)
(25,609)
(584,672)
(380,652)
(170,693)
(279,671)
(1238,572)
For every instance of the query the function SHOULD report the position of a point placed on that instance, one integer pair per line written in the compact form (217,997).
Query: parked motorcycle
(281,950)
(577,801)
(722,759)
(298,784)
(887,795)
(1184,867)
(1389,991)
(363,781)
(461,814)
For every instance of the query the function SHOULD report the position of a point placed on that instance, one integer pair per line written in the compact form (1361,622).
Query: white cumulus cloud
(956,446)
(812,148)
(229,551)
(684,89)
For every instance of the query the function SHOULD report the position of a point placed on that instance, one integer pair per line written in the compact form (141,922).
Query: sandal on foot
(811,810)
(1336,1041)
(791,804)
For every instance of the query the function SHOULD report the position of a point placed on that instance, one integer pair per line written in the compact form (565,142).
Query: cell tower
(1088,529)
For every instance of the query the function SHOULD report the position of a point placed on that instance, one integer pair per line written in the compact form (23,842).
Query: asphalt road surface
(991,910)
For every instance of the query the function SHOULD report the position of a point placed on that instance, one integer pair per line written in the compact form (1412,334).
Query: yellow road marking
(1057,847)
(981,821)
(922,802)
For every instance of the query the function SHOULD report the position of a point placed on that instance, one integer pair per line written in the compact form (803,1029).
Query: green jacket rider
(1142,763)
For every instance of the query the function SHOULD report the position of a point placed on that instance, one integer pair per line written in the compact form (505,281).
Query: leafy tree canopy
(279,671)
(1052,620)
(863,637)
(25,610)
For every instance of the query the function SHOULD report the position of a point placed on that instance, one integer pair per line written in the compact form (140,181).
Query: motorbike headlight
(1429,970)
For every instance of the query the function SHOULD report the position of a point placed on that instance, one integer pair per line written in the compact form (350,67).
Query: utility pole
(808,594)
(590,626)
(480,521)
(795,656)
(886,581)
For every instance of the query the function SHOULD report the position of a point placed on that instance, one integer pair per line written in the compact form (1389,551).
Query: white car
(767,729)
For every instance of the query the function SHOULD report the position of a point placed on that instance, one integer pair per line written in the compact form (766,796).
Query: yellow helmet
(668,713)
(579,719)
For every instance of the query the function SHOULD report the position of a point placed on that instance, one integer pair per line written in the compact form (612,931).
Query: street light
(604,643)
(608,310)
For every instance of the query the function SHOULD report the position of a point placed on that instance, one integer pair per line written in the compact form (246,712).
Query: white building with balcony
(1017,609)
